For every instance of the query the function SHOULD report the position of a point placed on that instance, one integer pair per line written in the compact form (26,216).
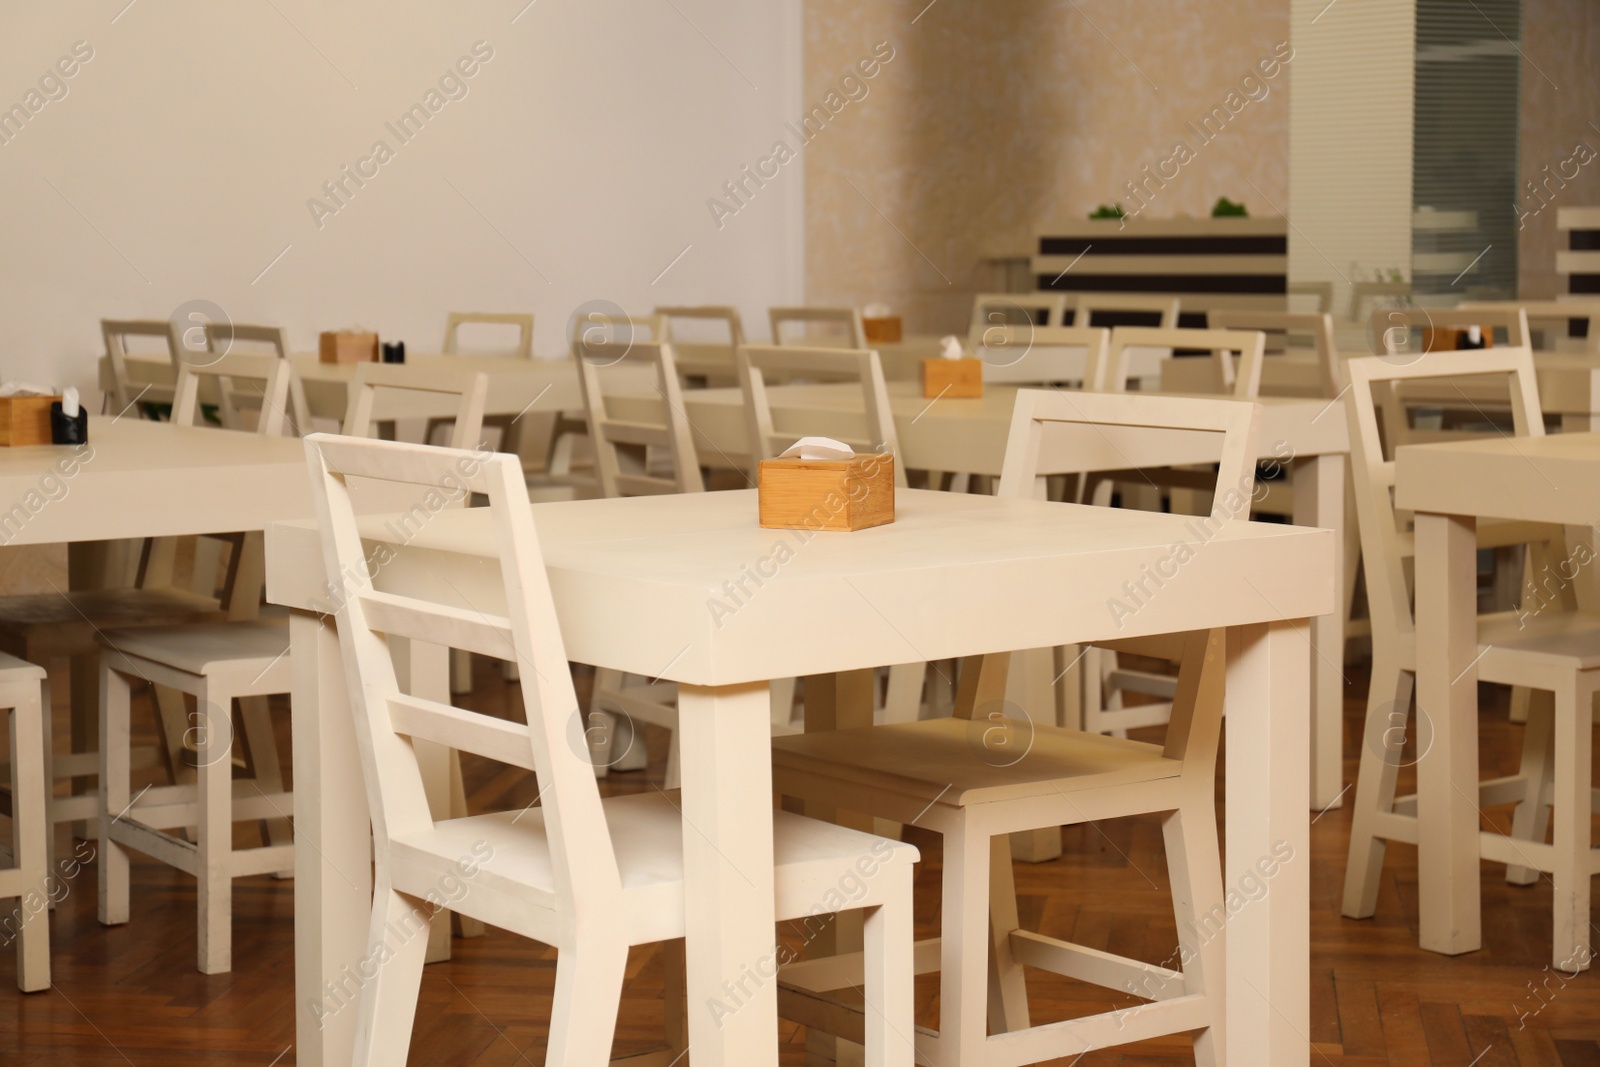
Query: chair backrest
(468,386)
(1120,305)
(525,630)
(1242,381)
(1361,292)
(599,327)
(844,327)
(1384,543)
(1557,314)
(618,442)
(1318,327)
(521,320)
(221,337)
(261,377)
(1322,292)
(757,362)
(116,332)
(1041,355)
(1066,432)
(1391,327)
(1000,310)
(728,316)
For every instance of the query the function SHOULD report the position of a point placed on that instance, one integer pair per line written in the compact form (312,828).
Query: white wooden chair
(934,773)
(705,340)
(1236,355)
(246,660)
(1552,650)
(1321,292)
(1363,291)
(221,337)
(622,453)
(1120,306)
(1045,355)
(25,693)
(522,349)
(589,877)
(125,397)
(876,433)
(991,310)
(819,327)
(1291,326)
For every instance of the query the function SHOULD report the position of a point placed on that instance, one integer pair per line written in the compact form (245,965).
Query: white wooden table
(969,436)
(1450,486)
(955,575)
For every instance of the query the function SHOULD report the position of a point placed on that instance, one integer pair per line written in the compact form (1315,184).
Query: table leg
(333,874)
(1319,500)
(725,735)
(1268,829)
(1447,692)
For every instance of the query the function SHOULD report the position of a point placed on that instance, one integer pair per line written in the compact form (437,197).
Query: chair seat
(647,833)
(204,648)
(1566,640)
(961,761)
(13,669)
(66,623)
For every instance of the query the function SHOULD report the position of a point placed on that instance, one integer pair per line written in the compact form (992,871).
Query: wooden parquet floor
(131,995)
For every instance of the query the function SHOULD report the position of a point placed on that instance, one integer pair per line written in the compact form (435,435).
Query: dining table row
(1090,530)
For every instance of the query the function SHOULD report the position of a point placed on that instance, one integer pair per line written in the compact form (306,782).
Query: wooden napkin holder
(956,378)
(343,346)
(826,494)
(884,331)
(25,420)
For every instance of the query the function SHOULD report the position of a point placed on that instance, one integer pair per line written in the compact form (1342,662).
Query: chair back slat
(1242,381)
(582,859)
(470,387)
(992,311)
(622,471)
(523,321)
(222,336)
(1119,305)
(257,377)
(1318,327)
(115,333)
(728,316)
(1062,432)
(845,327)
(1043,355)
(877,430)
(1384,540)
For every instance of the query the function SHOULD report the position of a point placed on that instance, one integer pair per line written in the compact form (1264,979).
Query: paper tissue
(882,326)
(953,374)
(822,484)
(25,413)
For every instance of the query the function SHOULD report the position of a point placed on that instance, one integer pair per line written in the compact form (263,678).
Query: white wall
(181,159)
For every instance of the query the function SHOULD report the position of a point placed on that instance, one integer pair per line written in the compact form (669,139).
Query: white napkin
(69,402)
(876,311)
(950,347)
(25,389)
(818,448)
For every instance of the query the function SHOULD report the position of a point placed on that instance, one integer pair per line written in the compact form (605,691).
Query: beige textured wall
(1562,39)
(995,118)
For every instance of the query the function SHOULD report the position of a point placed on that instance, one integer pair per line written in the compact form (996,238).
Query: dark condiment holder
(394,351)
(65,430)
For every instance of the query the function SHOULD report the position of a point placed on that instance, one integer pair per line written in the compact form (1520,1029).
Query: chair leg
(964,945)
(889,985)
(255,716)
(1388,708)
(1532,816)
(115,707)
(1008,989)
(389,1002)
(903,701)
(583,1015)
(460,671)
(1574,723)
(1520,697)
(463,925)
(1194,863)
(29,829)
(674,761)
(215,832)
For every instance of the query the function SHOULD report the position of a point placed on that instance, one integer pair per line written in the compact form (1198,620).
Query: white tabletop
(1554,478)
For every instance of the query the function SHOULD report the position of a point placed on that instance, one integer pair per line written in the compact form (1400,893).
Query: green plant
(1108,211)
(1225,208)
